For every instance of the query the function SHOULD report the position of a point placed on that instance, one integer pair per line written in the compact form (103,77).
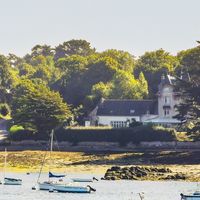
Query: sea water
(105,190)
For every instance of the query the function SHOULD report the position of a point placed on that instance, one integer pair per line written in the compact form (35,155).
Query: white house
(119,112)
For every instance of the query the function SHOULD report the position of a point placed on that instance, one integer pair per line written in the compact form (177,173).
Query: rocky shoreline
(142,173)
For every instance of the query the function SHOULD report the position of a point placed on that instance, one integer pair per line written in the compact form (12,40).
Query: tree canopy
(36,107)
(74,73)
(189,88)
(153,65)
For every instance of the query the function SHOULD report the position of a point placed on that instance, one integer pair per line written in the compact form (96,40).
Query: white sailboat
(52,185)
(49,184)
(6,180)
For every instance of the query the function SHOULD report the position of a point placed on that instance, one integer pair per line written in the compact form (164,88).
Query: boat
(50,183)
(12,181)
(84,179)
(194,196)
(70,188)
(58,186)
(6,180)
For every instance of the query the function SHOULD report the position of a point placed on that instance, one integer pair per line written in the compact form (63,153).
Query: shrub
(4,109)
(15,128)
(122,135)
(134,123)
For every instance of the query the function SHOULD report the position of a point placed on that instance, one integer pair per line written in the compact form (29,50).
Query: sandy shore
(73,162)
(96,163)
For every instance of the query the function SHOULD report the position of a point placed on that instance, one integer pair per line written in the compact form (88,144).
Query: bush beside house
(122,136)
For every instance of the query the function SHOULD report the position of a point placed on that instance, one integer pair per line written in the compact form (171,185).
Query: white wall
(106,120)
(148,117)
(167,91)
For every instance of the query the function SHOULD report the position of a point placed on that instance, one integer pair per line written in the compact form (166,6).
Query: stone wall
(101,146)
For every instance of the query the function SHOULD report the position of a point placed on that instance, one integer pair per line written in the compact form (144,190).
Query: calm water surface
(106,190)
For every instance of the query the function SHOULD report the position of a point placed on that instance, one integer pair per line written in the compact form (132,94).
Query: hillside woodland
(52,86)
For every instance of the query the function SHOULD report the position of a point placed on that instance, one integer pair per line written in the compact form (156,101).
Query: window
(166,112)
(118,124)
(167,100)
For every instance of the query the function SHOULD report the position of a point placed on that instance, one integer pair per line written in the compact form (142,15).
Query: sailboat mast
(51,149)
(5,162)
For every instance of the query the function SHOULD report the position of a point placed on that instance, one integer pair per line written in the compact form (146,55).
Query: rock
(168,170)
(164,170)
(141,173)
(115,168)
(176,177)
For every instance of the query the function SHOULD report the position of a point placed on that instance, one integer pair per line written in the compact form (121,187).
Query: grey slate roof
(117,107)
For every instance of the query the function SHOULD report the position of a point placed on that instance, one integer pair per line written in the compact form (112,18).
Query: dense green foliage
(122,136)
(36,107)
(4,109)
(153,65)
(74,73)
(189,87)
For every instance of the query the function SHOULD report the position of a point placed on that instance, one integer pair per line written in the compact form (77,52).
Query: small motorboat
(70,188)
(12,181)
(84,179)
(194,196)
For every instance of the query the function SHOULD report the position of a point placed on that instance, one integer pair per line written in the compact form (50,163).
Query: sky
(135,26)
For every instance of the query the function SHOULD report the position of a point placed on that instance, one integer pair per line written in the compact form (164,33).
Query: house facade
(120,112)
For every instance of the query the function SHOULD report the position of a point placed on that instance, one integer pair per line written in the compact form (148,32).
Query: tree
(125,86)
(26,70)
(70,84)
(125,60)
(42,50)
(101,70)
(35,106)
(73,47)
(6,78)
(189,108)
(189,62)
(80,76)
(14,60)
(101,89)
(72,65)
(143,84)
(153,65)
(189,88)
(43,68)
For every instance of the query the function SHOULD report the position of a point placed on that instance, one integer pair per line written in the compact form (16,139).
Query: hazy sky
(132,25)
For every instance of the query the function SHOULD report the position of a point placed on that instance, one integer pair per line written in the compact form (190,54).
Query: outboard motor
(95,179)
(91,189)
(182,196)
(33,188)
